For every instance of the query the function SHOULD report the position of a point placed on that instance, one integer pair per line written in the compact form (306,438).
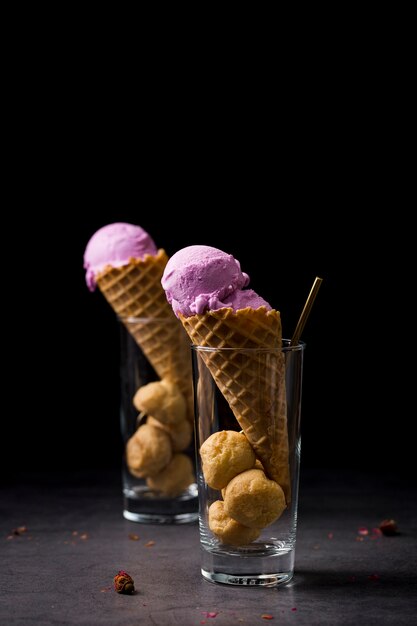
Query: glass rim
(286,347)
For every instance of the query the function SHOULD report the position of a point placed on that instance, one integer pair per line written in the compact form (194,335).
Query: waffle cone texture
(135,291)
(253,384)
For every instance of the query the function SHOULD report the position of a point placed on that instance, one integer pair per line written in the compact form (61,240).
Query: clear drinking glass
(261,400)
(159,480)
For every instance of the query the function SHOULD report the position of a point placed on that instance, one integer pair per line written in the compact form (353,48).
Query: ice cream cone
(253,384)
(135,293)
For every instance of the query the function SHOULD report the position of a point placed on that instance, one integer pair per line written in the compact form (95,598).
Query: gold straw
(306,311)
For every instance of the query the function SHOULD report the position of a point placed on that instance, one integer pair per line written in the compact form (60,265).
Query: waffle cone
(253,385)
(135,293)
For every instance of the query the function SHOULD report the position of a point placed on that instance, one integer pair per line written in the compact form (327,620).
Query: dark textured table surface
(60,569)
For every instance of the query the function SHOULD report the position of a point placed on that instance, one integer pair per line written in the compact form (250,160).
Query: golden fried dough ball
(163,400)
(253,499)
(181,432)
(148,451)
(227,529)
(258,465)
(174,478)
(225,454)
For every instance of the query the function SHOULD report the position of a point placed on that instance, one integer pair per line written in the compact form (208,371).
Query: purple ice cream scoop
(115,244)
(201,278)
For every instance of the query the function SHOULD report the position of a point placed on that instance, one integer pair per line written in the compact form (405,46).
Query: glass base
(152,518)
(252,568)
(144,506)
(261,580)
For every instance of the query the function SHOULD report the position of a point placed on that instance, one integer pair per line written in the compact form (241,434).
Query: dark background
(207,148)
(319,182)
(64,350)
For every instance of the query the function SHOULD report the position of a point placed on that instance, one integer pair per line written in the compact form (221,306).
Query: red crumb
(17,532)
(388,527)
(124,583)
(363,531)
(209,613)
(265,616)
(374,577)
(293,609)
